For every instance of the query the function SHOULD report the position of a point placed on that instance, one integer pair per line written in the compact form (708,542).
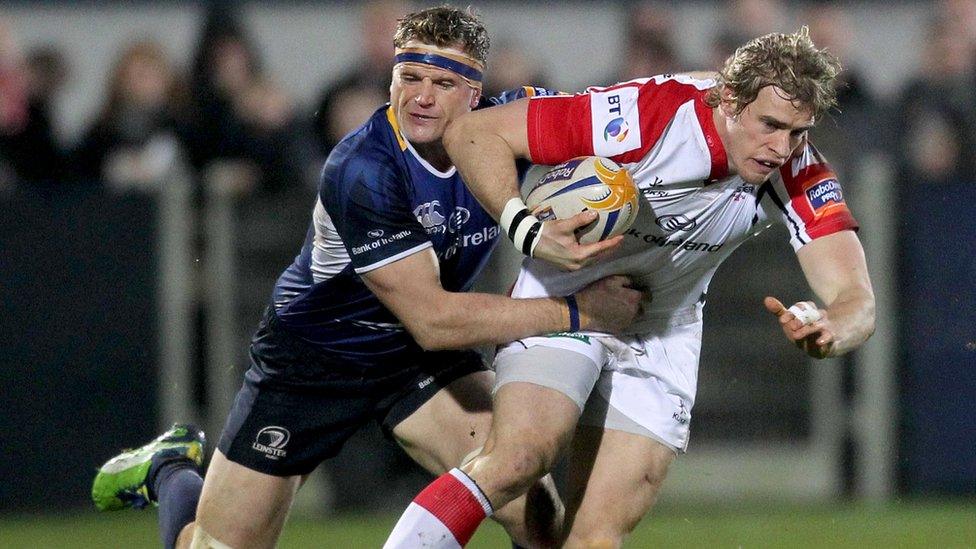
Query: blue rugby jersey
(379,201)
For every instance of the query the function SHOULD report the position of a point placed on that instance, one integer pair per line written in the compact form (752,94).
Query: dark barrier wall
(78,346)
(937,245)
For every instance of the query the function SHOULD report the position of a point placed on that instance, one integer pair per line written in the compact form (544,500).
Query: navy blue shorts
(298,406)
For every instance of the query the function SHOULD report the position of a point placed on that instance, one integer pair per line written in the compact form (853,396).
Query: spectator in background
(743,20)
(29,152)
(844,139)
(512,67)
(358,99)
(366,83)
(649,48)
(243,133)
(754,17)
(133,142)
(937,129)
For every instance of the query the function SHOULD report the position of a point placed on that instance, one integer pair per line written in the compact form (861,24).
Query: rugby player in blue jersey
(363,322)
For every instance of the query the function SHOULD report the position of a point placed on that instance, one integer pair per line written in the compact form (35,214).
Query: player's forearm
(484,158)
(464,320)
(852,316)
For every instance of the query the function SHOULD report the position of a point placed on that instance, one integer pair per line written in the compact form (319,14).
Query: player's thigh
(613,481)
(450,425)
(241,507)
(531,419)
(541,386)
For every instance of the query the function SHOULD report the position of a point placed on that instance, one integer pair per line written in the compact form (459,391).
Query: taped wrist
(522,228)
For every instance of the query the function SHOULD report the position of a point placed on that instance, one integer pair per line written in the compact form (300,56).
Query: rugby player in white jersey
(717,160)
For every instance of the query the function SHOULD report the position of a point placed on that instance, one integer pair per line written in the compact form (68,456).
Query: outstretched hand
(558,243)
(809,328)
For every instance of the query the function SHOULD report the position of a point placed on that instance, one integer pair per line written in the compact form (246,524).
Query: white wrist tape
(522,228)
(805,313)
(512,208)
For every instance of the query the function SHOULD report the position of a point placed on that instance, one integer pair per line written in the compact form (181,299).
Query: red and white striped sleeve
(811,200)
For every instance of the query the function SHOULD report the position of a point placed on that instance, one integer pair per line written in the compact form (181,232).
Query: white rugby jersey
(694,214)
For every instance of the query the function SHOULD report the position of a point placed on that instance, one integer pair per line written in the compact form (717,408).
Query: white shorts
(643,384)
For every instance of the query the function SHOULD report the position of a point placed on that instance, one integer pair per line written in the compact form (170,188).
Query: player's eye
(446,84)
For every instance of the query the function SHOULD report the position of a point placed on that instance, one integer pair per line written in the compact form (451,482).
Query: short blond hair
(791,62)
(446,26)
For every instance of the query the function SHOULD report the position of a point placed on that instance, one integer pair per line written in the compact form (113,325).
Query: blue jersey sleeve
(367,201)
(518,93)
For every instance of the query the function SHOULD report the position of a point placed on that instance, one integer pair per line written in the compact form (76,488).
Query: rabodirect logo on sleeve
(825,194)
(615,121)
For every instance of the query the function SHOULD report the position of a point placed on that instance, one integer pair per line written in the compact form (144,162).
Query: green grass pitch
(903,525)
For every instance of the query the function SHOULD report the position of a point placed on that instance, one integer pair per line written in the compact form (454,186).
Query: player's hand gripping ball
(584,183)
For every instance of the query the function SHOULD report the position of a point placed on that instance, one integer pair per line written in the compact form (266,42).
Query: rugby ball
(584,183)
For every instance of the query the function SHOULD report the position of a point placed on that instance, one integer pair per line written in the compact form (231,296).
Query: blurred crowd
(227,119)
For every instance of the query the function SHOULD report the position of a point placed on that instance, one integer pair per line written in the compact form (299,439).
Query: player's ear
(475,98)
(727,102)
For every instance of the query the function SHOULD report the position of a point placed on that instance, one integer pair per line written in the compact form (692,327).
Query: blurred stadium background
(157,167)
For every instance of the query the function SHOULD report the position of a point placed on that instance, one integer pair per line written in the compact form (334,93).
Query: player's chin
(755,178)
(423,136)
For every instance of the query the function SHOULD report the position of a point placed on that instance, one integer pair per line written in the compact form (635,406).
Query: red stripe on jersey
(720,160)
(448,499)
(815,194)
(559,128)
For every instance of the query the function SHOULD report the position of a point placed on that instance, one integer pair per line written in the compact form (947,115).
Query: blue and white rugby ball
(583,183)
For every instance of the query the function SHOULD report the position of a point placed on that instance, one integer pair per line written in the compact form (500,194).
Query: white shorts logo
(271,442)
(615,121)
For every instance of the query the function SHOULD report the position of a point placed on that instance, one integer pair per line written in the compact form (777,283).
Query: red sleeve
(621,122)
(559,128)
(815,195)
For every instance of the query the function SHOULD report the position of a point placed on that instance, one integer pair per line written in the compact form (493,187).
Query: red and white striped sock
(444,515)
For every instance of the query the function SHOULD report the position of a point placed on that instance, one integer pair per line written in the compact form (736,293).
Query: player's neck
(722,129)
(434,154)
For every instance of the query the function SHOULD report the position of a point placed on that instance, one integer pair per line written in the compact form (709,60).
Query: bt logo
(616,128)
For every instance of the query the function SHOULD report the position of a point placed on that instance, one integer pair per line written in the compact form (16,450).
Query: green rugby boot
(125,480)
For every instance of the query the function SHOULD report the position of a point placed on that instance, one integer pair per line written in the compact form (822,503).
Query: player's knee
(519,467)
(654,479)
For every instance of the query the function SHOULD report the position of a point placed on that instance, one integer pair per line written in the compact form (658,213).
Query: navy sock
(177,486)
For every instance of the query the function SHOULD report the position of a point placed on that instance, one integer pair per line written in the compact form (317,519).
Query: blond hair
(445,26)
(791,62)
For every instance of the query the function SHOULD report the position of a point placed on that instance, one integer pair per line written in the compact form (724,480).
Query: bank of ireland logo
(458,219)
(375,233)
(454,224)
(271,441)
(617,129)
